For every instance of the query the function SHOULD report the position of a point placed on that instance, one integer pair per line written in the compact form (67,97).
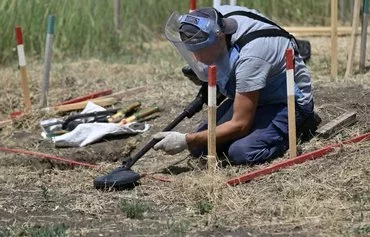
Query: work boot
(309,127)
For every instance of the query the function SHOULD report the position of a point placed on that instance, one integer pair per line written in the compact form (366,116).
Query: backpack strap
(253,16)
(246,38)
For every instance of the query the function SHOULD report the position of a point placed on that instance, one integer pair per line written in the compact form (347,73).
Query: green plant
(4,232)
(133,209)
(203,207)
(361,230)
(55,230)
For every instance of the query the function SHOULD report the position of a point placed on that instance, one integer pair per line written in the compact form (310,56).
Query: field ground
(38,197)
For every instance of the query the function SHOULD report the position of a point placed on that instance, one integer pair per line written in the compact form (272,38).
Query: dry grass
(326,197)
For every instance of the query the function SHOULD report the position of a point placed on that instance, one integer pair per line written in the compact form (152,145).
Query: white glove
(171,142)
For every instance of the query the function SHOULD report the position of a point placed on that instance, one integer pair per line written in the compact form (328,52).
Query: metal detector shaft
(194,107)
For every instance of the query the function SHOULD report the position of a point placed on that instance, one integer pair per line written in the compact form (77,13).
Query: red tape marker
(18,35)
(87,97)
(293,161)
(69,162)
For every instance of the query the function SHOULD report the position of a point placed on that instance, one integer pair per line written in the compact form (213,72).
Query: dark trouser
(267,139)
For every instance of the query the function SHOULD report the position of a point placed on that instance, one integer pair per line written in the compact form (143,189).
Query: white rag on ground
(86,133)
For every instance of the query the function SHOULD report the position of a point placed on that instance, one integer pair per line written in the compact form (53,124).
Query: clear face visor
(190,34)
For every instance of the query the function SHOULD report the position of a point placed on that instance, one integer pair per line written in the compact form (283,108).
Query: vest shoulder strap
(246,38)
(253,16)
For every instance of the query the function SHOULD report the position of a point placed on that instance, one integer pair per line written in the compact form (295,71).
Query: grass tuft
(55,230)
(362,230)
(204,207)
(133,209)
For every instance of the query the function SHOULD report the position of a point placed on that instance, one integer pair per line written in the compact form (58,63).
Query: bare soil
(329,196)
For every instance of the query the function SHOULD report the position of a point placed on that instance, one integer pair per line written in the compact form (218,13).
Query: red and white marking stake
(291,103)
(193,5)
(23,70)
(212,156)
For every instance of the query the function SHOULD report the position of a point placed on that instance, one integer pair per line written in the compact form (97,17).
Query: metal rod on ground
(365,9)
(23,69)
(291,103)
(192,5)
(47,65)
(212,156)
(334,39)
(352,45)
(117,15)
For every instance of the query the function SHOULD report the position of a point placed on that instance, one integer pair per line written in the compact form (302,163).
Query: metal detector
(123,177)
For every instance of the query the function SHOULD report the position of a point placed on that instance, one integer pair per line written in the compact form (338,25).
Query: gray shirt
(261,64)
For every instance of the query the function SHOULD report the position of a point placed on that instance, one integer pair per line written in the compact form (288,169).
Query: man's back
(261,63)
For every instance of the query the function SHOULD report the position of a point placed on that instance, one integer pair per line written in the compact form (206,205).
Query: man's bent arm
(245,105)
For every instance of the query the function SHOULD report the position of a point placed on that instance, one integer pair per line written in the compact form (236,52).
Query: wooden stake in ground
(352,45)
(365,9)
(334,39)
(342,8)
(117,15)
(212,156)
(23,70)
(291,103)
(47,63)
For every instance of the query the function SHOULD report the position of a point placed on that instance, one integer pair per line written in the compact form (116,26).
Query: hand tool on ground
(123,177)
(139,115)
(123,113)
(71,122)
(58,126)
